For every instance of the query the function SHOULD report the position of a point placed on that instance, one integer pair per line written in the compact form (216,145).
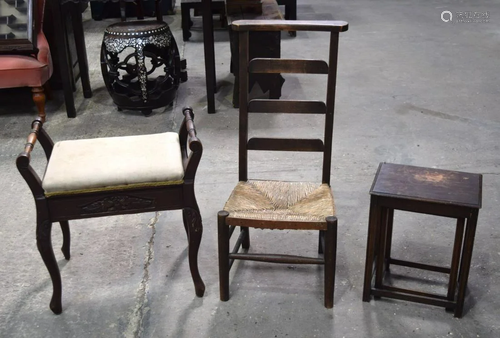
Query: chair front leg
(194,229)
(223,241)
(38,94)
(44,244)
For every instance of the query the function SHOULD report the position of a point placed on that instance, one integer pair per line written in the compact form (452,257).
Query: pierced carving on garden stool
(141,65)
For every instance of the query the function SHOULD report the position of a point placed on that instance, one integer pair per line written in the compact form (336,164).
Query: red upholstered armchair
(29,71)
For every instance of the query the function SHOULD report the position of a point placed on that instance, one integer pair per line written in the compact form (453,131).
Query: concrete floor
(411,89)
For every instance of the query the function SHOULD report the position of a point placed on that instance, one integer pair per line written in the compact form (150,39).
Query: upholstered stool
(140,64)
(428,191)
(113,176)
(129,161)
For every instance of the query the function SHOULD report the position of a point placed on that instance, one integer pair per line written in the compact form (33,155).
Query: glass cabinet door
(17,25)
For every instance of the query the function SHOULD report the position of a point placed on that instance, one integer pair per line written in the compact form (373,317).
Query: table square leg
(382,246)
(370,247)
(389,219)
(455,259)
(470,232)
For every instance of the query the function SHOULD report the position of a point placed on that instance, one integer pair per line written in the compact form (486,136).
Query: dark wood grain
(285,144)
(289,25)
(243,55)
(268,65)
(286,106)
(273,258)
(331,85)
(428,184)
(209,52)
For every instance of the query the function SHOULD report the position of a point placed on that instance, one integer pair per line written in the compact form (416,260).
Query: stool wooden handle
(187,136)
(36,125)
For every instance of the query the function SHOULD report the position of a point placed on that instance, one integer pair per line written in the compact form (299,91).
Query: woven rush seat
(100,164)
(295,202)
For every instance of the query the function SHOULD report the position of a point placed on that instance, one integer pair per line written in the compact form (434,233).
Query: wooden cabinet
(17,26)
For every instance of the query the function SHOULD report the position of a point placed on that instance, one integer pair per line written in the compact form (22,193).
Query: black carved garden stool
(141,65)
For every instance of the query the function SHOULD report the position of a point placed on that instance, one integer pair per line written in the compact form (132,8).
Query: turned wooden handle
(36,126)
(194,142)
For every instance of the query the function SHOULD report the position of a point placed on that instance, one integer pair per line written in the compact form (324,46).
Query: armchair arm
(188,138)
(43,50)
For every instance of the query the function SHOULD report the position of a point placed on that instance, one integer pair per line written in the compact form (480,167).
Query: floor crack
(134,328)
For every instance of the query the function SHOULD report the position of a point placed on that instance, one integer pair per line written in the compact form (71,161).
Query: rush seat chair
(275,204)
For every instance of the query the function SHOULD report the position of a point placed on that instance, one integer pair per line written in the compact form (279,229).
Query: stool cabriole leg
(44,245)
(192,217)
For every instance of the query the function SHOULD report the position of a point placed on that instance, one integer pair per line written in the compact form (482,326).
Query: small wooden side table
(428,191)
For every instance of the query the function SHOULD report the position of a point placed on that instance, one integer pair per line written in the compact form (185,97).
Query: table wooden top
(270,11)
(428,184)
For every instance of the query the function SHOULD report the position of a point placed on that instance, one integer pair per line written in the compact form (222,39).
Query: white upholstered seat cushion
(97,164)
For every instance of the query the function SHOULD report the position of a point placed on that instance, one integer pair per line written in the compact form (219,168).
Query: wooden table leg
(208,44)
(470,232)
(370,248)
(81,49)
(63,64)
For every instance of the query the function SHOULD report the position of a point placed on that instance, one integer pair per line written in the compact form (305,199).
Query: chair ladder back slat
(286,106)
(290,66)
(285,144)
(243,124)
(330,105)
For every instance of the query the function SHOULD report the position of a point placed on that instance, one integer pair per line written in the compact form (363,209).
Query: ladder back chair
(280,204)
(113,176)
